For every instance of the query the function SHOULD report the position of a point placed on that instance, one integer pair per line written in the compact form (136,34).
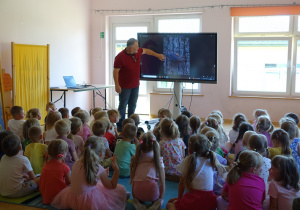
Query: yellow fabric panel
(31,72)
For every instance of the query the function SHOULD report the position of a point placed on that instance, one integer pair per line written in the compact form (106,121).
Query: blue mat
(171,192)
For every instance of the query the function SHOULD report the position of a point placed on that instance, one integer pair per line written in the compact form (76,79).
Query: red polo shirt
(129,73)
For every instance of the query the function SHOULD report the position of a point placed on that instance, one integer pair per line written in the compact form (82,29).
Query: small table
(92,87)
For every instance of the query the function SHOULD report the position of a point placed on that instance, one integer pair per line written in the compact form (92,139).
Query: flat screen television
(190,57)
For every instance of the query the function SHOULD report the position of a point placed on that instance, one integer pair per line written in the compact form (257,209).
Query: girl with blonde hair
(91,187)
(171,148)
(50,132)
(244,189)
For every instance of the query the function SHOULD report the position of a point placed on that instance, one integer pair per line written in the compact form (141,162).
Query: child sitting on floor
(171,148)
(50,132)
(75,128)
(34,113)
(17,178)
(197,172)
(285,185)
(56,175)
(37,150)
(85,131)
(63,128)
(64,112)
(125,150)
(146,171)
(16,124)
(91,187)
(136,119)
(26,126)
(99,129)
(239,188)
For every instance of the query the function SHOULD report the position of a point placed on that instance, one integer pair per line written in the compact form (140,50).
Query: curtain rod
(188,9)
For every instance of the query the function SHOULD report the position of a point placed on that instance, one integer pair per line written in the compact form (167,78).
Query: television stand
(177,98)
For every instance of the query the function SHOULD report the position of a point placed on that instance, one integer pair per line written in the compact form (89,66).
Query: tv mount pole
(177,98)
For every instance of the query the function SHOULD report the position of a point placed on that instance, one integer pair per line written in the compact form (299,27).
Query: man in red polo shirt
(127,76)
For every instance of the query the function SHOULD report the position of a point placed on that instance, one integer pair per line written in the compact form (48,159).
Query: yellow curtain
(31,77)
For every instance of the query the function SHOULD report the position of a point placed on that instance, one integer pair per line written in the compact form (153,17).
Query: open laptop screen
(70,81)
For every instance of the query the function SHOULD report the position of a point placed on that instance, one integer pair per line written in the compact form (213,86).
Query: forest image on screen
(177,52)
(189,57)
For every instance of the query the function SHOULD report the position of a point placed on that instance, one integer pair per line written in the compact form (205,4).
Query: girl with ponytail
(91,187)
(147,173)
(197,172)
(171,148)
(244,189)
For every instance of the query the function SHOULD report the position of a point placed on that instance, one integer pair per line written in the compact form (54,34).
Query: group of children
(253,167)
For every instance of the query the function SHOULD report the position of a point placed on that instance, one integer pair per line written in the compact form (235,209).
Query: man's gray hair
(131,42)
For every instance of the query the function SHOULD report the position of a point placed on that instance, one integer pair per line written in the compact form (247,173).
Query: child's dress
(52,179)
(294,147)
(201,194)
(145,186)
(285,196)
(172,153)
(81,195)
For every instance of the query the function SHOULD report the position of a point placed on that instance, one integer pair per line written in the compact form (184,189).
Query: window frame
(292,36)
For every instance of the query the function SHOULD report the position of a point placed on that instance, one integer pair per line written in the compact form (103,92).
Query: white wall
(216,19)
(65,25)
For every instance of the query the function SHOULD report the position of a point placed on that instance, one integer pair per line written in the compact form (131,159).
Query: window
(266,62)
(124,27)
(121,33)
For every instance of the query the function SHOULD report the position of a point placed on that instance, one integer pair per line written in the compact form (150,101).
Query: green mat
(22,200)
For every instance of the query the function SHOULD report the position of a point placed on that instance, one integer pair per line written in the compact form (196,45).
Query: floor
(7,206)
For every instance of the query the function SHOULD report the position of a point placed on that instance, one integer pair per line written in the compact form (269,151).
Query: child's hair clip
(90,145)
(141,141)
(60,155)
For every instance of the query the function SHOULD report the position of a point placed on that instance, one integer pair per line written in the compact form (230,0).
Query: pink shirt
(247,193)
(84,132)
(145,169)
(285,197)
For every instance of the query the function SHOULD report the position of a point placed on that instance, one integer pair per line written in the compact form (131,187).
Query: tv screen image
(190,57)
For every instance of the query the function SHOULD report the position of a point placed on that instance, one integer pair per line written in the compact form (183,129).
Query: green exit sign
(102,35)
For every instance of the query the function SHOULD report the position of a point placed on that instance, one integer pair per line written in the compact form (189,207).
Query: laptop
(71,84)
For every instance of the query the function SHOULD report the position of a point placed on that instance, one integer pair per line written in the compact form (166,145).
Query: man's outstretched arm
(151,52)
